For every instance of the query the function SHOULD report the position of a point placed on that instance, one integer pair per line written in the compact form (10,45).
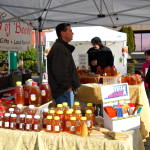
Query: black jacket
(103,56)
(62,72)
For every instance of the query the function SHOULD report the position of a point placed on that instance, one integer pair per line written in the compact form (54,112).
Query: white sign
(83,60)
(115,92)
(14,36)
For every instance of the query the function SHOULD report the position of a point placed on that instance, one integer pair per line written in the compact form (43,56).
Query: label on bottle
(6,124)
(27,126)
(35,126)
(11,124)
(49,127)
(72,128)
(67,123)
(21,125)
(43,93)
(33,97)
(26,94)
(56,128)
(0,123)
(88,123)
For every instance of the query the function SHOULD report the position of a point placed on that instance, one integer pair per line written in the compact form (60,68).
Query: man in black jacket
(99,55)
(62,75)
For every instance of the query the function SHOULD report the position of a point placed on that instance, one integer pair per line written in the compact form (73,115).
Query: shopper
(99,55)
(146,73)
(62,76)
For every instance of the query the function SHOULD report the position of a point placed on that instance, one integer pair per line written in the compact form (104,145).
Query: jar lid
(19,105)
(1,114)
(89,104)
(88,111)
(31,106)
(7,114)
(83,118)
(56,118)
(65,104)
(49,117)
(34,83)
(76,103)
(18,83)
(59,112)
(78,112)
(59,105)
(72,118)
(36,117)
(69,111)
(52,111)
(22,115)
(2,107)
(11,109)
(13,115)
(28,116)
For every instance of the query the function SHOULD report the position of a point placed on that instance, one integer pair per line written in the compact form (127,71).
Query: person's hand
(94,62)
(69,90)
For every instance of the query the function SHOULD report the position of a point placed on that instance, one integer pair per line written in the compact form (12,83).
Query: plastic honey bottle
(62,119)
(65,107)
(6,120)
(45,114)
(27,88)
(89,106)
(18,109)
(31,110)
(1,119)
(56,125)
(49,124)
(52,113)
(13,124)
(67,120)
(45,92)
(59,107)
(76,106)
(36,125)
(19,93)
(35,97)
(72,129)
(28,123)
(78,116)
(21,124)
(89,117)
(82,121)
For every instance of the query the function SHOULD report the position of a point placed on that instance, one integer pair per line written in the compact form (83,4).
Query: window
(142,41)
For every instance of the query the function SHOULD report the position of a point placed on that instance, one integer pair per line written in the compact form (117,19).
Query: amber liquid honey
(67,122)
(19,94)
(45,92)
(13,124)
(26,93)
(35,96)
(36,125)
(28,123)
(56,126)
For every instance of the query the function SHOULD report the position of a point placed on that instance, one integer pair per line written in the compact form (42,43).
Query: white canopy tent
(87,33)
(44,14)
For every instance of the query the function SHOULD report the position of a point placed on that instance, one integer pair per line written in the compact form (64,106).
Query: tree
(130,38)
(3,56)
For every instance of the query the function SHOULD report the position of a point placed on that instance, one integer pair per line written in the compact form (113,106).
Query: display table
(91,93)
(24,140)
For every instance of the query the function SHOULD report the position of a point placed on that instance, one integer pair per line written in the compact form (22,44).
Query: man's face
(96,46)
(67,35)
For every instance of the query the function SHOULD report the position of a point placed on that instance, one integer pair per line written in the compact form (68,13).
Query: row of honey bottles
(31,94)
(131,79)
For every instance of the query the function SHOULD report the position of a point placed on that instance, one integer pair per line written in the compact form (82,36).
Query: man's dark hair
(147,53)
(61,27)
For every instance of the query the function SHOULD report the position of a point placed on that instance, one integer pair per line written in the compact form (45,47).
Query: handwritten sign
(83,61)
(115,92)
(15,36)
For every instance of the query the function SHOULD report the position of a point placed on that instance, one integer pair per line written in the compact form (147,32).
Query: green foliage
(3,56)
(135,61)
(130,69)
(130,38)
(29,54)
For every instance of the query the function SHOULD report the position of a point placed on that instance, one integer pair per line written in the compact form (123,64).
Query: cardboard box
(117,94)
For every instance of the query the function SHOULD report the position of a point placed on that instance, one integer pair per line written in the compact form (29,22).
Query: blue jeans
(66,97)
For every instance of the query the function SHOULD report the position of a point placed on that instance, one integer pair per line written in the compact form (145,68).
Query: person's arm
(60,68)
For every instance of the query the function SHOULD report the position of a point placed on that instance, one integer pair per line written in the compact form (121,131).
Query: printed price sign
(83,61)
(115,92)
